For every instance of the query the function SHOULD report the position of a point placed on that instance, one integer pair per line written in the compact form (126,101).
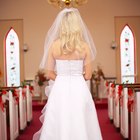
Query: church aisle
(34,126)
(108,130)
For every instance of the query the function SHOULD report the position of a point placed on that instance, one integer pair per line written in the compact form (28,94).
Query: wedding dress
(70,112)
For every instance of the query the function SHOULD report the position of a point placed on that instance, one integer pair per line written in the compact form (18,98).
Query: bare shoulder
(56,47)
(85,46)
(56,43)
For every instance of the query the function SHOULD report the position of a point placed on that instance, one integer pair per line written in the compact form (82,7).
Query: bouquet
(41,78)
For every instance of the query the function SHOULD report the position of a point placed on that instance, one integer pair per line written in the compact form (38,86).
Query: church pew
(110,102)
(116,111)
(13,113)
(135,116)
(22,108)
(25,110)
(124,114)
(3,124)
(29,104)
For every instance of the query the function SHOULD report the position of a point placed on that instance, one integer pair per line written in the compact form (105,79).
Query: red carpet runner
(108,130)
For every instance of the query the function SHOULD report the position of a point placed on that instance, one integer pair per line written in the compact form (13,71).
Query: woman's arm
(50,73)
(88,65)
(87,72)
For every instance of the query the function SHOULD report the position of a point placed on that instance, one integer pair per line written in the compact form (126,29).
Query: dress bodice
(69,67)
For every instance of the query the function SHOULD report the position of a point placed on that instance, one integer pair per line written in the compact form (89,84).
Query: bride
(70,112)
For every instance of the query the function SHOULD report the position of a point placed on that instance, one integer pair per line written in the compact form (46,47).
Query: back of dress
(70,113)
(69,67)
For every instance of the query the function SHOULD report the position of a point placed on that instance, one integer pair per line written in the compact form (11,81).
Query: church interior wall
(38,16)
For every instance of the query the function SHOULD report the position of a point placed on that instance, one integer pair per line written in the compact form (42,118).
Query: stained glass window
(12,61)
(127,49)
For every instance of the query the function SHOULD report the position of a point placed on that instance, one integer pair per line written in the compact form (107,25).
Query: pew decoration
(113,90)
(107,87)
(24,92)
(1,83)
(97,75)
(120,95)
(130,103)
(15,93)
(3,106)
(24,85)
(2,102)
(120,88)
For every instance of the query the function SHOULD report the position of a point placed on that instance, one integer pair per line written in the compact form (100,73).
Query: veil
(53,34)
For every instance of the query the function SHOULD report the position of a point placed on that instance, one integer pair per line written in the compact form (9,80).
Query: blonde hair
(70,33)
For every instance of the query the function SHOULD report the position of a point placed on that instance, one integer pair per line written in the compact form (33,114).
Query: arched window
(127,49)
(12,58)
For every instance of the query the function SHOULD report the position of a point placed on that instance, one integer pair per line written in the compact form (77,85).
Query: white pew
(29,104)
(110,103)
(124,114)
(116,118)
(3,125)
(135,118)
(13,111)
(22,109)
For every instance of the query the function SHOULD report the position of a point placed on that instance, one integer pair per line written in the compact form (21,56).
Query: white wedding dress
(70,112)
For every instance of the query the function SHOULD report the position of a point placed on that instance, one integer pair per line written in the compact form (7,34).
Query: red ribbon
(23,92)
(130,103)
(1,103)
(107,87)
(4,92)
(120,91)
(31,88)
(113,85)
(130,92)
(121,101)
(16,96)
(119,97)
(107,84)
(113,90)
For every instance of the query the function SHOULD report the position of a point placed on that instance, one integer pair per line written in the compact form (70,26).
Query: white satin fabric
(70,112)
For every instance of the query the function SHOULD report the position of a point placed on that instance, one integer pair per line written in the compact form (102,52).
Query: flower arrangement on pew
(24,86)
(1,76)
(97,78)
(113,90)
(119,97)
(2,103)
(97,75)
(106,83)
(15,93)
(130,103)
